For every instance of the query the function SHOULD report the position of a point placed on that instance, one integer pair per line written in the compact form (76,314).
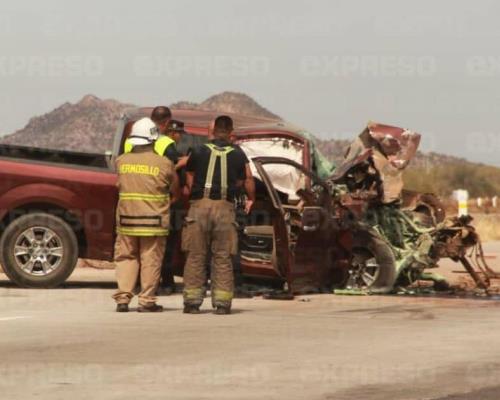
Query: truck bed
(80,187)
(25,153)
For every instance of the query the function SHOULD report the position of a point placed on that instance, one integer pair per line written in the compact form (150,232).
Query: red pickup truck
(57,206)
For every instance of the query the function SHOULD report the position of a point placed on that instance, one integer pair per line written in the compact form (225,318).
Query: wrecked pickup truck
(307,231)
(57,205)
(357,229)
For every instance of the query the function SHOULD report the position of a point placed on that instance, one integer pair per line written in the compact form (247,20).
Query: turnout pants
(210,224)
(138,257)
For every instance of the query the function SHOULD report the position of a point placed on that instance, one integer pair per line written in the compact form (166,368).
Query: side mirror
(108,155)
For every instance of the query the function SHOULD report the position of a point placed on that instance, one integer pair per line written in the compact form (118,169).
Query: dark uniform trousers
(210,224)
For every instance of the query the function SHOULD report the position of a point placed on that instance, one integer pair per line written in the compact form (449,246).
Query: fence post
(462,196)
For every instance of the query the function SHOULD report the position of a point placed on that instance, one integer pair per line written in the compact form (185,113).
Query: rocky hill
(229,102)
(89,125)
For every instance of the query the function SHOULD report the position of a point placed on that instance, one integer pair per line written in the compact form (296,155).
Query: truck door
(302,225)
(282,256)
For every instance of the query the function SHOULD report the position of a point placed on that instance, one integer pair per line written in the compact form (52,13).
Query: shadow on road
(67,285)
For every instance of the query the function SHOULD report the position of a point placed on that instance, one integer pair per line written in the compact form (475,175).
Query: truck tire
(373,265)
(38,250)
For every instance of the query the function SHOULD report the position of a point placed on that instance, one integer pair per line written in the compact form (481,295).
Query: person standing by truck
(214,173)
(174,131)
(244,200)
(169,135)
(145,179)
(162,117)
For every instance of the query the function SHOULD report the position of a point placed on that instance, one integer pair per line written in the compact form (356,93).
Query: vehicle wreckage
(312,228)
(359,231)
(406,233)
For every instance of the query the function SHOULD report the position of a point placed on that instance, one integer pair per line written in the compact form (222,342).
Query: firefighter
(243,205)
(170,133)
(214,172)
(162,117)
(145,179)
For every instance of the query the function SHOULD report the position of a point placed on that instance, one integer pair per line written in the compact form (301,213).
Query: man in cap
(145,180)
(214,173)
(169,135)
(173,130)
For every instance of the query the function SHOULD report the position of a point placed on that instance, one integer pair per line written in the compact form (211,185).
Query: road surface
(70,344)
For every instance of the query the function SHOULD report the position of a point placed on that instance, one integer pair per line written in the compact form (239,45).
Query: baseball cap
(176,126)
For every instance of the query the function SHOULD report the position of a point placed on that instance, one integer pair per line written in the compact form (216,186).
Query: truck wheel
(38,250)
(373,265)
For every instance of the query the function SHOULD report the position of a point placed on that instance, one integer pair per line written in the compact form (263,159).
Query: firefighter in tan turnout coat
(145,181)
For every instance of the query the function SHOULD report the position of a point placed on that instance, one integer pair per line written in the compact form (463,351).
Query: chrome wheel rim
(38,251)
(365,268)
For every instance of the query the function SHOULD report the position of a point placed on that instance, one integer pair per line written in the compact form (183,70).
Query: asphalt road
(70,344)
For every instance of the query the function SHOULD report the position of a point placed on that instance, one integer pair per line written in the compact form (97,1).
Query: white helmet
(144,131)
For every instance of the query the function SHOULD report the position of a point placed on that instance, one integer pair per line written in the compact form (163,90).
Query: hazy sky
(330,66)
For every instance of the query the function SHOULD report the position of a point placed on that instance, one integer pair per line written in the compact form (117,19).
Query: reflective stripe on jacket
(144,179)
(160,145)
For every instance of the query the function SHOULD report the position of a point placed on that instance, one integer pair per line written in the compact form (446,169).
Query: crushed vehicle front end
(412,225)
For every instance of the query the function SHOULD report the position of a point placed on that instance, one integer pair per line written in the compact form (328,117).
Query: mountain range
(89,125)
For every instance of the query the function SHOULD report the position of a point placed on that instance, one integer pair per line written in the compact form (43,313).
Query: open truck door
(304,230)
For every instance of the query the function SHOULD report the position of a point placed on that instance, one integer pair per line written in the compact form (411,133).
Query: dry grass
(488,226)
